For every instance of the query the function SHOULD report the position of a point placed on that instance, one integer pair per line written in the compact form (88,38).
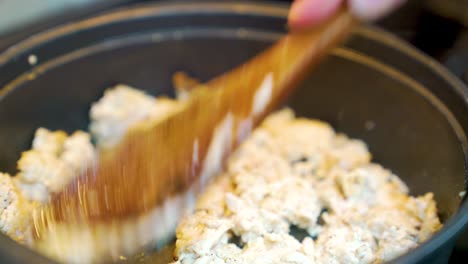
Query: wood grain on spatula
(160,159)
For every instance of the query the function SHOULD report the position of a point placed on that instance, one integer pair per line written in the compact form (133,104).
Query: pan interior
(405,130)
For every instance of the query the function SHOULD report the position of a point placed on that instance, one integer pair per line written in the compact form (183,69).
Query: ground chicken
(297,192)
(120,108)
(53,161)
(15,211)
(294,192)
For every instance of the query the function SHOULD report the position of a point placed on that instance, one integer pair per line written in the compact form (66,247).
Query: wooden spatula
(159,160)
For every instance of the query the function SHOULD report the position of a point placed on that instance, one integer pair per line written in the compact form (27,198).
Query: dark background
(437,27)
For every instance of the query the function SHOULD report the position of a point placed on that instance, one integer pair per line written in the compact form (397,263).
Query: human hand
(306,13)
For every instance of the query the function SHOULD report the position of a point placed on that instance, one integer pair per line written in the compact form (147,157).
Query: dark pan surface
(410,111)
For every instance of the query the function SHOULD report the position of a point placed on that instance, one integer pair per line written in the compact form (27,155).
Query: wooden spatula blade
(157,160)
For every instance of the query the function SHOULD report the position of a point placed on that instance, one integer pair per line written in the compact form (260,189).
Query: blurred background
(437,27)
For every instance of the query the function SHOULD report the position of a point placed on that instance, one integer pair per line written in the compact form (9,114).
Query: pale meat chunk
(15,211)
(346,244)
(120,108)
(53,161)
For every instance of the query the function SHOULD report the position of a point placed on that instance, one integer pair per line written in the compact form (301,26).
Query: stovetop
(437,27)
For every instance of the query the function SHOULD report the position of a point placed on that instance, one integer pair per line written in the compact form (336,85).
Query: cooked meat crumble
(294,192)
(295,172)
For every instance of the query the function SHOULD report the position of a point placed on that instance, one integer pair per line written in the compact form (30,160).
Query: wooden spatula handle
(287,61)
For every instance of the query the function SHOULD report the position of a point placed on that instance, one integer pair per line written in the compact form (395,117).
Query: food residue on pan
(32,59)
(295,191)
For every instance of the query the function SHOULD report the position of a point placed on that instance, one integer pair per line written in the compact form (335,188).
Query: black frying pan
(412,113)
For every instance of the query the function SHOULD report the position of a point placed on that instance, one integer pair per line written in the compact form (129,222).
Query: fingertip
(371,9)
(308,13)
